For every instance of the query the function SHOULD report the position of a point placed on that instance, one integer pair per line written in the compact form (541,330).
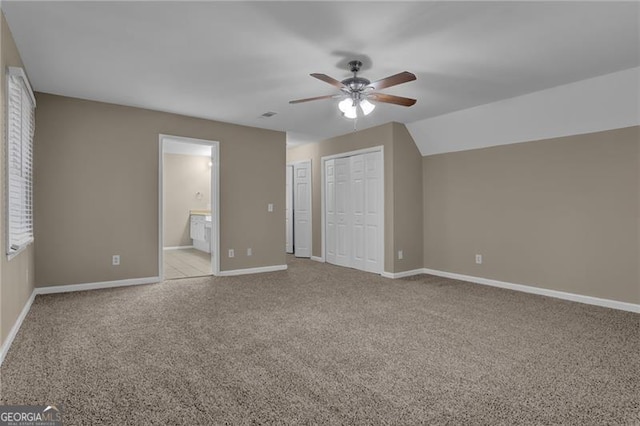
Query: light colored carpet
(319,344)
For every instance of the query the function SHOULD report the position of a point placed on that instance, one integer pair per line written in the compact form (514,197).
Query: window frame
(13,247)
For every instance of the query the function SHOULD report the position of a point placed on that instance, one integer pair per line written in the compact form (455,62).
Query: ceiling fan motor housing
(355,83)
(355,65)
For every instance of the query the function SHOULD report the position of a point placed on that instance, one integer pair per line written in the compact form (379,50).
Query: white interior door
(330,210)
(343,212)
(357,199)
(288,211)
(302,209)
(373,188)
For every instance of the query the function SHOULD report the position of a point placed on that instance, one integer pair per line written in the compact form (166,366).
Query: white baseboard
(607,303)
(259,270)
(16,326)
(177,248)
(317,258)
(403,274)
(95,286)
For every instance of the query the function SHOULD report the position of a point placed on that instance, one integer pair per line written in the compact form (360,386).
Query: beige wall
(184,176)
(372,137)
(398,207)
(16,275)
(96,190)
(407,200)
(560,214)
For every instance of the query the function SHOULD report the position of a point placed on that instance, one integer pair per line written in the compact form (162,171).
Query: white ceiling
(233,61)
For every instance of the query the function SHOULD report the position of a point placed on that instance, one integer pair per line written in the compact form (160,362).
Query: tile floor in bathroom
(184,263)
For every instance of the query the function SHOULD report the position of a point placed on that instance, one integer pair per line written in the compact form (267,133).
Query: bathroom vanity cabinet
(200,231)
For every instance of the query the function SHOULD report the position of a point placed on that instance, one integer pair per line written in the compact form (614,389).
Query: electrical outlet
(249,252)
(231,253)
(115,259)
(270,207)
(400,254)
(479,259)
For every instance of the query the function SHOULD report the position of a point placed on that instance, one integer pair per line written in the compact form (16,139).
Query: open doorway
(188,208)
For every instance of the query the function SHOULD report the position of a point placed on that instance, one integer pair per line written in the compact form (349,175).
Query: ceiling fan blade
(403,77)
(317,98)
(391,99)
(332,81)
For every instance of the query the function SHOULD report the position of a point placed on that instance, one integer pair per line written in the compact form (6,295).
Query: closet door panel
(373,212)
(343,212)
(357,198)
(330,211)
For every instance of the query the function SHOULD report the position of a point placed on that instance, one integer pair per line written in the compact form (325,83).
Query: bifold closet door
(358,195)
(353,211)
(330,210)
(343,212)
(374,228)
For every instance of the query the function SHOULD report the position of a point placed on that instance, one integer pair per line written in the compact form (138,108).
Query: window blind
(19,157)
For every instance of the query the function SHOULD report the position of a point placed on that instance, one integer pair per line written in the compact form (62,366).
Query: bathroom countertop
(200,212)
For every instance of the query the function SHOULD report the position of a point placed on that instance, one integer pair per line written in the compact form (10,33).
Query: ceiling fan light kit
(357,92)
(349,107)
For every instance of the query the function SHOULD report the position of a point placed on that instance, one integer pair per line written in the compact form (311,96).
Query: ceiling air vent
(268,114)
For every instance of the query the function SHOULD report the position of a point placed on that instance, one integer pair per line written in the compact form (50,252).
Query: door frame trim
(286,198)
(379,148)
(214,197)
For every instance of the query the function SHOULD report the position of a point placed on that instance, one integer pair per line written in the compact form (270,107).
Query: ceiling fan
(358,91)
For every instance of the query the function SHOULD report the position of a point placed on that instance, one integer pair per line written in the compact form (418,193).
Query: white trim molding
(589,300)
(318,259)
(16,326)
(403,274)
(177,248)
(247,271)
(95,286)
